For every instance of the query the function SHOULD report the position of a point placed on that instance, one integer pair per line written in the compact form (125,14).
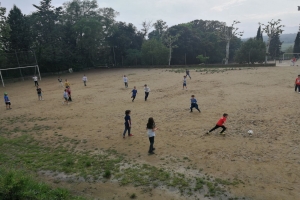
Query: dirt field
(262,100)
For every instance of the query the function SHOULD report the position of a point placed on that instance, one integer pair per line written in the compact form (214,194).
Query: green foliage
(154,53)
(297,44)
(251,51)
(202,58)
(275,46)
(259,35)
(16,184)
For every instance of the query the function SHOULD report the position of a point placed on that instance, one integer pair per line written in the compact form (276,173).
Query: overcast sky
(248,12)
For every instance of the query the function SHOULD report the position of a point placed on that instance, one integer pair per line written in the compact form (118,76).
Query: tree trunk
(267,49)
(227,52)
(170,55)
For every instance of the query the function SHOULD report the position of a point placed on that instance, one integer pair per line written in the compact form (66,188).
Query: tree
(20,36)
(4,29)
(146,27)
(251,51)
(259,34)
(202,58)
(160,28)
(169,40)
(227,33)
(154,52)
(275,46)
(296,48)
(271,29)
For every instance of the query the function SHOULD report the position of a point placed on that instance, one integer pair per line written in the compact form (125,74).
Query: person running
(7,101)
(134,92)
(147,90)
(187,72)
(184,83)
(293,61)
(84,79)
(219,124)
(39,93)
(69,93)
(66,97)
(35,79)
(67,84)
(151,128)
(125,79)
(127,123)
(60,81)
(194,104)
(297,84)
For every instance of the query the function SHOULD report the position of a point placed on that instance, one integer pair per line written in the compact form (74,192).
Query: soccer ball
(250,132)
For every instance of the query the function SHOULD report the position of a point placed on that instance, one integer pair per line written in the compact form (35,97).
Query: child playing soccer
(134,92)
(194,104)
(127,123)
(66,97)
(297,84)
(60,81)
(35,79)
(147,90)
(125,79)
(69,93)
(219,124)
(84,79)
(184,83)
(151,134)
(67,84)
(39,93)
(7,101)
(187,72)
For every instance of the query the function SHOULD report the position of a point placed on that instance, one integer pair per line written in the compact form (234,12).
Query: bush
(18,185)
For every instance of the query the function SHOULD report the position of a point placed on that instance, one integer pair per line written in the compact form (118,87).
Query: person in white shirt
(125,79)
(84,79)
(35,79)
(151,128)
(147,90)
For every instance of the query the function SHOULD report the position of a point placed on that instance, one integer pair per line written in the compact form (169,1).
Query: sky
(248,12)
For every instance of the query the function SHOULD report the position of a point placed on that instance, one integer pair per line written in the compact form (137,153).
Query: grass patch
(18,185)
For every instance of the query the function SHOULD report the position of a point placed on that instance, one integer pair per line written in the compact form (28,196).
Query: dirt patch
(262,100)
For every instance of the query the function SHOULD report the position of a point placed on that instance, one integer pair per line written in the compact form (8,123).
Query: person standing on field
(151,128)
(35,79)
(60,81)
(297,84)
(69,93)
(39,93)
(67,84)
(194,104)
(147,90)
(125,79)
(127,123)
(187,72)
(84,79)
(7,101)
(184,83)
(219,124)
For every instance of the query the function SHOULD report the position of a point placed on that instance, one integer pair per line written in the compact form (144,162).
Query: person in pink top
(219,124)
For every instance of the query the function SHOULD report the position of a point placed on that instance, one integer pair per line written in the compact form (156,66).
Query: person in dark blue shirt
(194,104)
(127,123)
(7,101)
(134,92)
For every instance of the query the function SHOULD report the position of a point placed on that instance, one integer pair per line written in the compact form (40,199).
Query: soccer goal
(18,64)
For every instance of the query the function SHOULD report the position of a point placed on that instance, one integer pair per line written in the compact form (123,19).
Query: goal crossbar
(19,68)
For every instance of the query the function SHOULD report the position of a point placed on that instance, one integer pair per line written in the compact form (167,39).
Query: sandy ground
(262,100)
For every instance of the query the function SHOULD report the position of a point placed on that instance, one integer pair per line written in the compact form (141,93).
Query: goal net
(18,65)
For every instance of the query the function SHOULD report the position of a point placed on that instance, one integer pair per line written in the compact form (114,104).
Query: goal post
(35,66)
(18,61)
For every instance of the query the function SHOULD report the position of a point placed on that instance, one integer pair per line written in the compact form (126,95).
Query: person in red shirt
(297,84)
(219,124)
